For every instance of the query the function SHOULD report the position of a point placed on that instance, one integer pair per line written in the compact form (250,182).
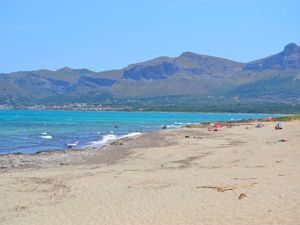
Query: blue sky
(102,35)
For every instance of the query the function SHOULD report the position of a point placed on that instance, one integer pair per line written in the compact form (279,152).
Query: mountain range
(187,82)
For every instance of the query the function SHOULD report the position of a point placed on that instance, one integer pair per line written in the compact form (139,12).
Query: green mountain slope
(274,79)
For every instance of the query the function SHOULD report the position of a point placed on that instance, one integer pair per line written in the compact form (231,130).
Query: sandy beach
(241,175)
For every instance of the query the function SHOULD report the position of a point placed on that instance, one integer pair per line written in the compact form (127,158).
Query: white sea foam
(132,134)
(72,145)
(111,137)
(178,125)
(44,133)
(173,126)
(46,137)
(181,123)
(104,140)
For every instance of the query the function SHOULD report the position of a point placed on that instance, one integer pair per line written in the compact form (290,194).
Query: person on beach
(279,126)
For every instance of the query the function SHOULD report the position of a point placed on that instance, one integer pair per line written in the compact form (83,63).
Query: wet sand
(238,175)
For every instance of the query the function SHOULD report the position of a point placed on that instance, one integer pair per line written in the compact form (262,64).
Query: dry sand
(237,176)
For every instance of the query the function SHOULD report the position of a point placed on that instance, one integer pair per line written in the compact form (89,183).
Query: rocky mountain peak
(291,49)
(65,69)
(189,54)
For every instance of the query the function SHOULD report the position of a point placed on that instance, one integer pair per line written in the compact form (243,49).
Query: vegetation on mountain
(189,82)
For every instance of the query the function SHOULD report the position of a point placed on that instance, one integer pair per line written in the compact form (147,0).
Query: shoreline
(90,146)
(59,157)
(30,143)
(205,123)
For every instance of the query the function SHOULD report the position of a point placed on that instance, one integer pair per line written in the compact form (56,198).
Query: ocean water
(29,131)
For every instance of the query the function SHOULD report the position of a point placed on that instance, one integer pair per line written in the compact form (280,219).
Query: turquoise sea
(29,131)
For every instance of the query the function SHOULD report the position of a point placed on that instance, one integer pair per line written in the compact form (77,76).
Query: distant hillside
(196,78)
